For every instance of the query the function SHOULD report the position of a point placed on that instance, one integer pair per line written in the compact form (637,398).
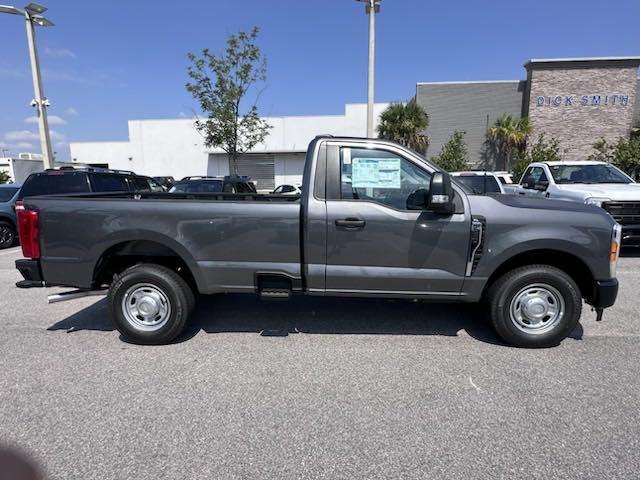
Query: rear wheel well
(8,220)
(568,263)
(118,258)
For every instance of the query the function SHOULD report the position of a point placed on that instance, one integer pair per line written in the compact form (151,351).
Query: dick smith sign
(582,100)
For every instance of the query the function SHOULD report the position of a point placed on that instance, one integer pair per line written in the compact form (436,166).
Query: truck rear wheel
(150,304)
(535,306)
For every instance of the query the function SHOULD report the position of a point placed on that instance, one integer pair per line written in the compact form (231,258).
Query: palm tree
(510,134)
(405,124)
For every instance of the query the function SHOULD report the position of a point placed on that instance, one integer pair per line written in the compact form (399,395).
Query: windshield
(479,184)
(197,186)
(7,193)
(563,174)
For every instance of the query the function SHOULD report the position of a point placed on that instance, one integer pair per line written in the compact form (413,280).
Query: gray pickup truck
(374,220)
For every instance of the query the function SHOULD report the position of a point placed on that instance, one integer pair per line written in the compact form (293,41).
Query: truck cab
(589,182)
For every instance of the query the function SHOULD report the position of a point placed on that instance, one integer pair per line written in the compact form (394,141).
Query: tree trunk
(233,163)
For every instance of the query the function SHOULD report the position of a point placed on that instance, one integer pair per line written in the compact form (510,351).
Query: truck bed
(223,238)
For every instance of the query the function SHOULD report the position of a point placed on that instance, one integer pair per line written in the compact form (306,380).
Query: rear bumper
(31,272)
(604,293)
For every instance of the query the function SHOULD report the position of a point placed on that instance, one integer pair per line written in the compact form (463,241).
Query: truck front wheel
(535,306)
(150,304)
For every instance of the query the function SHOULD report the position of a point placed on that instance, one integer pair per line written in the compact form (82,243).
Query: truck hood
(536,203)
(612,191)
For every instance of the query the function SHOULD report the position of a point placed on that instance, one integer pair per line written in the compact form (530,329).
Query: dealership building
(576,100)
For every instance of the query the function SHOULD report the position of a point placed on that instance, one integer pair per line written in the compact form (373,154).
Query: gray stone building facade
(577,101)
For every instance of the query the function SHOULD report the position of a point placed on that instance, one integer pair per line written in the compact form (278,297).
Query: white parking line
(10,251)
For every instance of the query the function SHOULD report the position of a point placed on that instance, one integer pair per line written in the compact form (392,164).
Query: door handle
(351,223)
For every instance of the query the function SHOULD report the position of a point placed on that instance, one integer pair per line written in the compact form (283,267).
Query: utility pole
(40,101)
(371,8)
(33,17)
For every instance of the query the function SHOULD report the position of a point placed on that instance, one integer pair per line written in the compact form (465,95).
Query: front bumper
(604,293)
(631,235)
(31,272)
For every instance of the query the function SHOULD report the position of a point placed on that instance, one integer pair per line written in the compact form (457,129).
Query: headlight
(597,201)
(614,251)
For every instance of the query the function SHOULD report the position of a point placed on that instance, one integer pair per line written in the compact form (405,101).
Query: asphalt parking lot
(317,388)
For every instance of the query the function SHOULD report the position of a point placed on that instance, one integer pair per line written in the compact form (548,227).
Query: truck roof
(574,162)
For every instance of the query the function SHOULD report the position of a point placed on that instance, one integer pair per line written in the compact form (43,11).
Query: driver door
(378,240)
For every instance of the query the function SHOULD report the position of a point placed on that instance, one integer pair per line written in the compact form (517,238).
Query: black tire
(161,286)
(8,235)
(507,294)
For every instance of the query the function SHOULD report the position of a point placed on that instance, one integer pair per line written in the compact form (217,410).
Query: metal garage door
(260,168)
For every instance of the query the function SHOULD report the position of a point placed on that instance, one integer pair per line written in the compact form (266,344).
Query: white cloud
(182,115)
(11,73)
(4,145)
(57,136)
(21,136)
(53,120)
(59,52)
(72,112)
(23,146)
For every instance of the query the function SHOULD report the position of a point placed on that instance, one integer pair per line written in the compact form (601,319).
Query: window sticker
(376,173)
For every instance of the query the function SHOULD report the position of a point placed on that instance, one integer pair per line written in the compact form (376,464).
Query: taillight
(29,231)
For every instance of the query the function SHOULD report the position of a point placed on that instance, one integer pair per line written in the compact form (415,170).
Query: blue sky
(107,62)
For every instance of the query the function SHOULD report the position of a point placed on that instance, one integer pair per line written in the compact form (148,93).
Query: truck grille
(625,213)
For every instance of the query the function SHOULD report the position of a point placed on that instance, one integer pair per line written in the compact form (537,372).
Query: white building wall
(174,147)
(116,154)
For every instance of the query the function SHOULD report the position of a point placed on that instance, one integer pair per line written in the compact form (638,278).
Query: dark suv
(214,185)
(83,180)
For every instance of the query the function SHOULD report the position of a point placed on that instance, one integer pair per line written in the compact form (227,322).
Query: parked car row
(65,180)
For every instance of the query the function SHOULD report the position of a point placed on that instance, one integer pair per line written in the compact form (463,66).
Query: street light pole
(33,17)
(372,7)
(41,102)
(372,61)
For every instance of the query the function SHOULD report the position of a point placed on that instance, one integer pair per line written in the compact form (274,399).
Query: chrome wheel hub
(146,307)
(537,308)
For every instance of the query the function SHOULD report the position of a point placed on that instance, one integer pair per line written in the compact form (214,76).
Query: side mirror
(541,186)
(528,183)
(440,196)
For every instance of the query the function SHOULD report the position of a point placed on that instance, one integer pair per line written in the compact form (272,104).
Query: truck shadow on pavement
(315,315)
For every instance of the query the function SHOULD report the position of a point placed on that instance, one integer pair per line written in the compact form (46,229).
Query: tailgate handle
(351,223)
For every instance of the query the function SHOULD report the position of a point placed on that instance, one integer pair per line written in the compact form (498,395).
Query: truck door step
(275,294)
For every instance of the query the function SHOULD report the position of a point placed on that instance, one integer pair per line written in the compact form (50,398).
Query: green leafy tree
(454,154)
(220,84)
(4,176)
(405,124)
(602,151)
(624,154)
(510,136)
(542,150)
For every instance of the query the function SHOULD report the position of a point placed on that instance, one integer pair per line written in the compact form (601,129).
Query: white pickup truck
(593,183)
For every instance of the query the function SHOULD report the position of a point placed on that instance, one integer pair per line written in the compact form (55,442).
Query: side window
(538,175)
(243,188)
(140,184)
(381,176)
(228,188)
(54,182)
(288,189)
(279,189)
(105,182)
